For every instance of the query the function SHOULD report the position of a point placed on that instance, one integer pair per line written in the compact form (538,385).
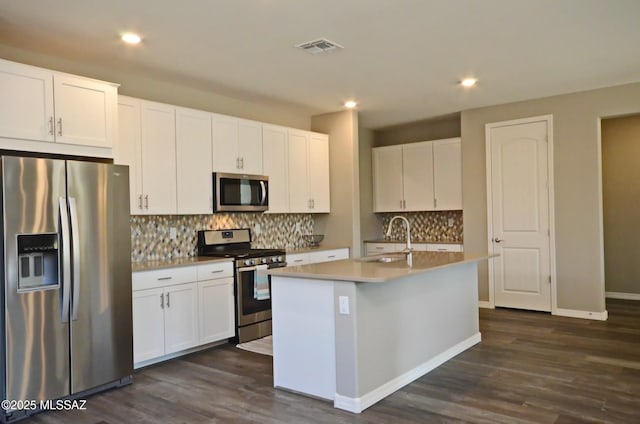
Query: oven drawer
(215,270)
(163,277)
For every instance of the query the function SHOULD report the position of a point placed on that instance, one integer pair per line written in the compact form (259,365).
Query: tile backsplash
(428,226)
(150,234)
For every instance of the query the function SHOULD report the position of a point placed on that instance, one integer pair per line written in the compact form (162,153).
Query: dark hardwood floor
(530,368)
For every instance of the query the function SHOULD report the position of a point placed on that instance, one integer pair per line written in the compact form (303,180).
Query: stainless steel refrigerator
(66,298)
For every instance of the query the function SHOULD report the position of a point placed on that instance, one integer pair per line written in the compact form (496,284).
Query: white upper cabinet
(147,143)
(422,176)
(42,105)
(127,150)
(318,158)
(308,172)
(26,103)
(84,111)
(417,173)
(387,179)
(237,145)
(193,161)
(158,158)
(274,165)
(447,174)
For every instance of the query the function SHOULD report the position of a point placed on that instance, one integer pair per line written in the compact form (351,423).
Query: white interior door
(519,218)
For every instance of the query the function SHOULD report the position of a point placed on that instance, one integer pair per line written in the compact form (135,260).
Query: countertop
(172,263)
(314,249)
(414,241)
(361,271)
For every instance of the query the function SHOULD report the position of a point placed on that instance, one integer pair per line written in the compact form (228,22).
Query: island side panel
(409,326)
(303,336)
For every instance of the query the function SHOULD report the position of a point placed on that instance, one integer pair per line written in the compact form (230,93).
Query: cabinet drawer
(328,255)
(377,248)
(435,247)
(163,277)
(215,270)
(297,259)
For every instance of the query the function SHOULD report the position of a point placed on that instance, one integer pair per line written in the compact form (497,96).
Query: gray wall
(370,224)
(144,84)
(342,226)
(429,129)
(621,200)
(578,221)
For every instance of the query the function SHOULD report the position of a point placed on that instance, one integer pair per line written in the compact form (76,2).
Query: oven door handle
(253,268)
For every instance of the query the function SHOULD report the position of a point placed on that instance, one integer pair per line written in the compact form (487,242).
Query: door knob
(497,240)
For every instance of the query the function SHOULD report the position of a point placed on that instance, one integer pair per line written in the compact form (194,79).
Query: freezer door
(101,326)
(36,353)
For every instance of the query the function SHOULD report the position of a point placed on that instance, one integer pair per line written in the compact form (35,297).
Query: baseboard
(620,295)
(572,313)
(358,405)
(485,304)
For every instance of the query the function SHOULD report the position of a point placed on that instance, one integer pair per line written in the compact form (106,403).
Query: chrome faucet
(407,249)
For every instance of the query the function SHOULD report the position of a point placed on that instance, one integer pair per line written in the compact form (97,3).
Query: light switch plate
(173,233)
(450,222)
(344,304)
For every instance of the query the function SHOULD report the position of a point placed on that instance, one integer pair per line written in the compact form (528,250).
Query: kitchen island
(356,330)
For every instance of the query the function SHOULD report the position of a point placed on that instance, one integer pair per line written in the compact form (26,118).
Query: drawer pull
(217,271)
(379,247)
(331,256)
(298,260)
(164,278)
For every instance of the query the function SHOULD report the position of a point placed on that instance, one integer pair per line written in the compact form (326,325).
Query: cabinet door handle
(162,301)
(140,201)
(59,126)
(400,204)
(435,203)
(146,201)
(168,300)
(241,163)
(238,163)
(51,125)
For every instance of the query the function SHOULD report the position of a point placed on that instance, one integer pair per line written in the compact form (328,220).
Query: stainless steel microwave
(240,192)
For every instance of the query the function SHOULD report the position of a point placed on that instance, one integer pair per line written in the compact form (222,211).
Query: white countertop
(314,249)
(377,272)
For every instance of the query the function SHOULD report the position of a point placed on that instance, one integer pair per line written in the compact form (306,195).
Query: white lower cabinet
(215,307)
(165,320)
(180,317)
(178,309)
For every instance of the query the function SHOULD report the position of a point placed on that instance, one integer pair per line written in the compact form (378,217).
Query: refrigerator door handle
(66,260)
(75,238)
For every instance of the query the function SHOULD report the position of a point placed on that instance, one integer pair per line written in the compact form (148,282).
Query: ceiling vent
(321,45)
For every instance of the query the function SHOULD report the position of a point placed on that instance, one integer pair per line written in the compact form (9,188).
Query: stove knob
(247,261)
(274,259)
(279,259)
(263,260)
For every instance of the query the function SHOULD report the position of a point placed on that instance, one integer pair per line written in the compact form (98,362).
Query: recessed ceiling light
(131,38)
(468,82)
(350,104)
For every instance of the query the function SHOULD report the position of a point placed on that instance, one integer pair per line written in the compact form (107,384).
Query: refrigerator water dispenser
(37,261)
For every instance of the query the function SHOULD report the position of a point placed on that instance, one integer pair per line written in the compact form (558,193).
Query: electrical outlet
(450,222)
(297,227)
(173,233)
(343,302)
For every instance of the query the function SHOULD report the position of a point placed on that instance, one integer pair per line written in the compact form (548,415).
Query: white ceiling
(402,58)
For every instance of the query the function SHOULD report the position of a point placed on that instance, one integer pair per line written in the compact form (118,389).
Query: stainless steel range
(252,285)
